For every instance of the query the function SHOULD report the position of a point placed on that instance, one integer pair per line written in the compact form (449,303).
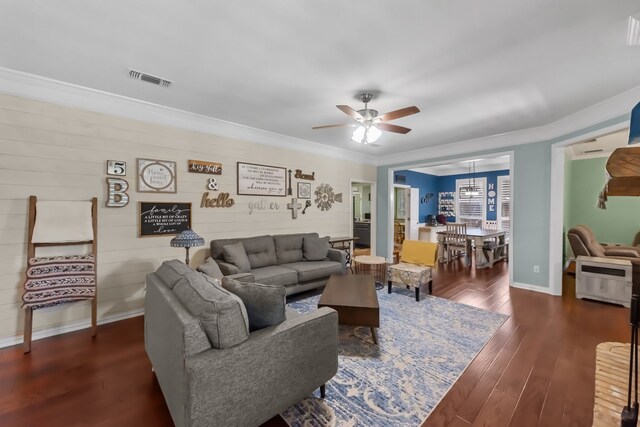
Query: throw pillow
(221,314)
(315,248)
(265,304)
(211,269)
(236,255)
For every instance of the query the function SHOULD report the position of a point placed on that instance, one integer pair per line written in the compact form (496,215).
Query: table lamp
(187,239)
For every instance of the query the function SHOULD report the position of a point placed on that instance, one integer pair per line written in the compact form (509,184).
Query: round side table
(370,264)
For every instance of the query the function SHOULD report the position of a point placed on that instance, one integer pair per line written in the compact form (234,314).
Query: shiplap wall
(60,153)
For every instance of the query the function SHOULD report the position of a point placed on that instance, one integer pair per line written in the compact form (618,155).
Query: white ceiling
(479,165)
(474,68)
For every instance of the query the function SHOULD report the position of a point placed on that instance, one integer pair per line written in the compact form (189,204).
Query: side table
(371,264)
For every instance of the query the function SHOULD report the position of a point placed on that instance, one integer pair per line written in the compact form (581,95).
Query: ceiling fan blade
(392,128)
(350,112)
(392,115)
(349,125)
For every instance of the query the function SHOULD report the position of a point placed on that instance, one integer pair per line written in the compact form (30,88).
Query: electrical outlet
(536,269)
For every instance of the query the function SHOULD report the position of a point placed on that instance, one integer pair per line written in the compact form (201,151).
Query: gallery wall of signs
(269,184)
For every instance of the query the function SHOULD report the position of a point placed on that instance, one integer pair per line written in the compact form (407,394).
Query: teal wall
(619,222)
(531,178)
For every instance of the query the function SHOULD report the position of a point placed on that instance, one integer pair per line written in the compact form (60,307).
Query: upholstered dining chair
(455,239)
(417,261)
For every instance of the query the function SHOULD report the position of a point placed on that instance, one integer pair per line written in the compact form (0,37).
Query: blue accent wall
(426,184)
(435,184)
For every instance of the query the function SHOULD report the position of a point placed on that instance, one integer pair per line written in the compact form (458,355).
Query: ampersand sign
(212,185)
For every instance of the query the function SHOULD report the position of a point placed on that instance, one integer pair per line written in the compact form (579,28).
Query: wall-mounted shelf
(446,204)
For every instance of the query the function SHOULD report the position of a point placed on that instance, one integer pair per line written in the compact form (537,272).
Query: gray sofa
(279,259)
(237,384)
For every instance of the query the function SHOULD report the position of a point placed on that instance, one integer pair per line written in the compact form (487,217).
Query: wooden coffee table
(354,297)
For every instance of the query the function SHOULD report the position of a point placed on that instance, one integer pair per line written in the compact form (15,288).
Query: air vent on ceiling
(139,75)
(599,150)
(400,179)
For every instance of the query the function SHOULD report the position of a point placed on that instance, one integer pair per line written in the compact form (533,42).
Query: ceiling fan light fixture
(358,135)
(366,133)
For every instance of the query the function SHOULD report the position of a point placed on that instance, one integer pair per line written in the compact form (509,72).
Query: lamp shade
(187,239)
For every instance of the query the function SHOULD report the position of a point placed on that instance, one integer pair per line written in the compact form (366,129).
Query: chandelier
(471,189)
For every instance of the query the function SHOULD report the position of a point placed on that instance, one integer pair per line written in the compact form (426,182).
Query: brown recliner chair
(583,242)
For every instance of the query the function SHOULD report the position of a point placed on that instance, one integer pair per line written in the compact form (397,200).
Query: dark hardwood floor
(538,369)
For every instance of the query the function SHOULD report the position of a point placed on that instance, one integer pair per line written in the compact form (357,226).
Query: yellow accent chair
(417,259)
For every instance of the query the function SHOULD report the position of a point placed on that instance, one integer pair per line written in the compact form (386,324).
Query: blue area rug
(423,348)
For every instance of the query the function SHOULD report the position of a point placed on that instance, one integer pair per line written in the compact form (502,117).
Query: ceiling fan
(369,124)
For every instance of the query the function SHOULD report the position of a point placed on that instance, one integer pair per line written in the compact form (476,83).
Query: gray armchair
(246,384)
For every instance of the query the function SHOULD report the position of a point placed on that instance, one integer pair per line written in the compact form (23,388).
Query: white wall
(60,153)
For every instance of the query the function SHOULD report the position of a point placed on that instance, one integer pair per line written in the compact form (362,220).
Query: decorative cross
(294,206)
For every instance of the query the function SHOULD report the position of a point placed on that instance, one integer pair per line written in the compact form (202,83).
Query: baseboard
(534,288)
(70,327)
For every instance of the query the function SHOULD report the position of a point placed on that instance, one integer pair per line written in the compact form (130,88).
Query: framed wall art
(156,176)
(162,218)
(304,190)
(261,180)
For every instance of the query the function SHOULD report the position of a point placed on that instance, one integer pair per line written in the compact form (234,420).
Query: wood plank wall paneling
(60,153)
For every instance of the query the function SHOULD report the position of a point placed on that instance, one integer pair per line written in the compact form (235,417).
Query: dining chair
(455,239)
(490,225)
(494,248)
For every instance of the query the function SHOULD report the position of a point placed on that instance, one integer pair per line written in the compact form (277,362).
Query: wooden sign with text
(161,218)
(198,166)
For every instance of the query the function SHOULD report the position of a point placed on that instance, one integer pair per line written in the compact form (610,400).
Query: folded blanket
(56,280)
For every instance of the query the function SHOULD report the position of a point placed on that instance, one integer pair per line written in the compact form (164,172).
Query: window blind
(504,192)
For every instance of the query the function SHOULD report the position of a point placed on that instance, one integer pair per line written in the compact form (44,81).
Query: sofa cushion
(315,248)
(289,246)
(211,269)
(261,251)
(275,275)
(171,272)
(312,270)
(265,304)
(217,245)
(221,313)
(235,254)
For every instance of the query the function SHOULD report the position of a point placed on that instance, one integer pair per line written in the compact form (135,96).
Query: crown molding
(40,88)
(609,109)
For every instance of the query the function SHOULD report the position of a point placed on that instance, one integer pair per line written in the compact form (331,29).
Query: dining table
(476,236)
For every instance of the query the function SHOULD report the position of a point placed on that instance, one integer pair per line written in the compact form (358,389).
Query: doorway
(440,198)
(362,217)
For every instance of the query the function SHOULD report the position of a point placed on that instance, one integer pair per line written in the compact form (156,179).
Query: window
(504,202)
(471,210)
